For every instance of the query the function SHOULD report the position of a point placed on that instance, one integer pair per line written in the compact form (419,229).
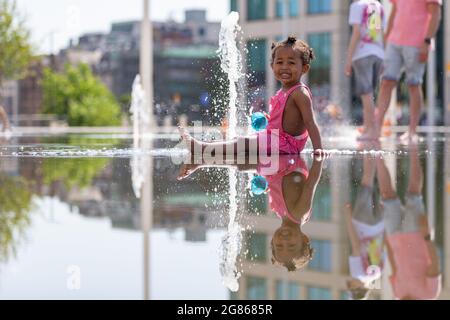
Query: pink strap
(288,93)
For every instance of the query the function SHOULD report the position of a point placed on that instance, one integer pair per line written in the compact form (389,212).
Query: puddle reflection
(360,225)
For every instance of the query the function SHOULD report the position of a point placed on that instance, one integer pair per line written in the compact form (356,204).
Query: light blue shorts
(403,58)
(403,218)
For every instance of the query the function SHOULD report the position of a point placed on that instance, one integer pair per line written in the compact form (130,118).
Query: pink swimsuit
(287,165)
(285,143)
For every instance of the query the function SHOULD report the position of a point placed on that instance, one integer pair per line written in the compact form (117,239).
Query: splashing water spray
(139,164)
(231,64)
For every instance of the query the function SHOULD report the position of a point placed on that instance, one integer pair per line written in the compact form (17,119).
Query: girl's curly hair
(305,51)
(297,263)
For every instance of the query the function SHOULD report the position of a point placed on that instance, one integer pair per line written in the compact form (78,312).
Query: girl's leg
(415,171)
(387,191)
(368,171)
(237,146)
(368,116)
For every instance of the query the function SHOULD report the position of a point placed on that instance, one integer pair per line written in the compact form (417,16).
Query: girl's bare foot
(192,144)
(368,135)
(186,170)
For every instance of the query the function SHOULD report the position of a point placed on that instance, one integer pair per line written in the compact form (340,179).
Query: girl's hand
(348,69)
(320,154)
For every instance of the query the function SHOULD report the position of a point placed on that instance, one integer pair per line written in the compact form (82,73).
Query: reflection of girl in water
(291,191)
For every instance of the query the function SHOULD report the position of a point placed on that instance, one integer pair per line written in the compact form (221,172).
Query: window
(321,260)
(233,5)
(256,69)
(256,9)
(256,59)
(319,6)
(293,8)
(316,293)
(319,76)
(256,288)
(287,290)
(344,295)
(257,247)
(321,210)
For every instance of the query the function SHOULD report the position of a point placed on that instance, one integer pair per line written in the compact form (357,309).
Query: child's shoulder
(302,94)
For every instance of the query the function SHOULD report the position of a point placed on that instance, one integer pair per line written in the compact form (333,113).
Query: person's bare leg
(415,171)
(416,101)
(383,101)
(188,168)
(4,119)
(218,153)
(368,117)
(369,167)
(387,191)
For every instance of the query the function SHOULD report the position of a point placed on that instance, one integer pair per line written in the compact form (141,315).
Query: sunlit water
(70,221)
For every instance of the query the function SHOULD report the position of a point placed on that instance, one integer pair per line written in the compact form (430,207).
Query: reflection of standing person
(4,119)
(412,25)
(412,254)
(365,226)
(365,54)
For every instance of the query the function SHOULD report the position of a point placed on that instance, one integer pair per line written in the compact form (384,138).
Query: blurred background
(99,41)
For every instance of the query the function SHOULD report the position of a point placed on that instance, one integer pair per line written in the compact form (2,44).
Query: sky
(54,22)
(110,260)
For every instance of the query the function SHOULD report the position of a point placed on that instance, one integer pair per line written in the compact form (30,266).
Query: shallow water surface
(71,226)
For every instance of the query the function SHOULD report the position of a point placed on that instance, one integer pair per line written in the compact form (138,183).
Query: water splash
(231,63)
(140,116)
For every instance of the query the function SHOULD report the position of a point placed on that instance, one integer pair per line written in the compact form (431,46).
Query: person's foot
(186,170)
(192,144)
(370,134)
(409,137)
(361,130)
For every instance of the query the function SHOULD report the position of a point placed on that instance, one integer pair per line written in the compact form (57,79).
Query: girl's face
(287,243)
(287,66)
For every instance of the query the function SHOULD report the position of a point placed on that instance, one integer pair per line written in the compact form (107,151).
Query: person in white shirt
(365,56)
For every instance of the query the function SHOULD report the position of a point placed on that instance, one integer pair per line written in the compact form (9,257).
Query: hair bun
(291,40)
(312,56)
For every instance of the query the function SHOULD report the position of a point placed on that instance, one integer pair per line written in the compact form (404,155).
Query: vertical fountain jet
(231,64)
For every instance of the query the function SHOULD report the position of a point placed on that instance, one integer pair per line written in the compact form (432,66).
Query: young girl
(291,119)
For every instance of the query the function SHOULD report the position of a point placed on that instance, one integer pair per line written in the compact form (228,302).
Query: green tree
(73,172)
(15,49)
(77,94)
(77,172)
(15,205)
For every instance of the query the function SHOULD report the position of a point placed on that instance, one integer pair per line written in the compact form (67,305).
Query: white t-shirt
(368,265)
(365,275)
(370,16)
